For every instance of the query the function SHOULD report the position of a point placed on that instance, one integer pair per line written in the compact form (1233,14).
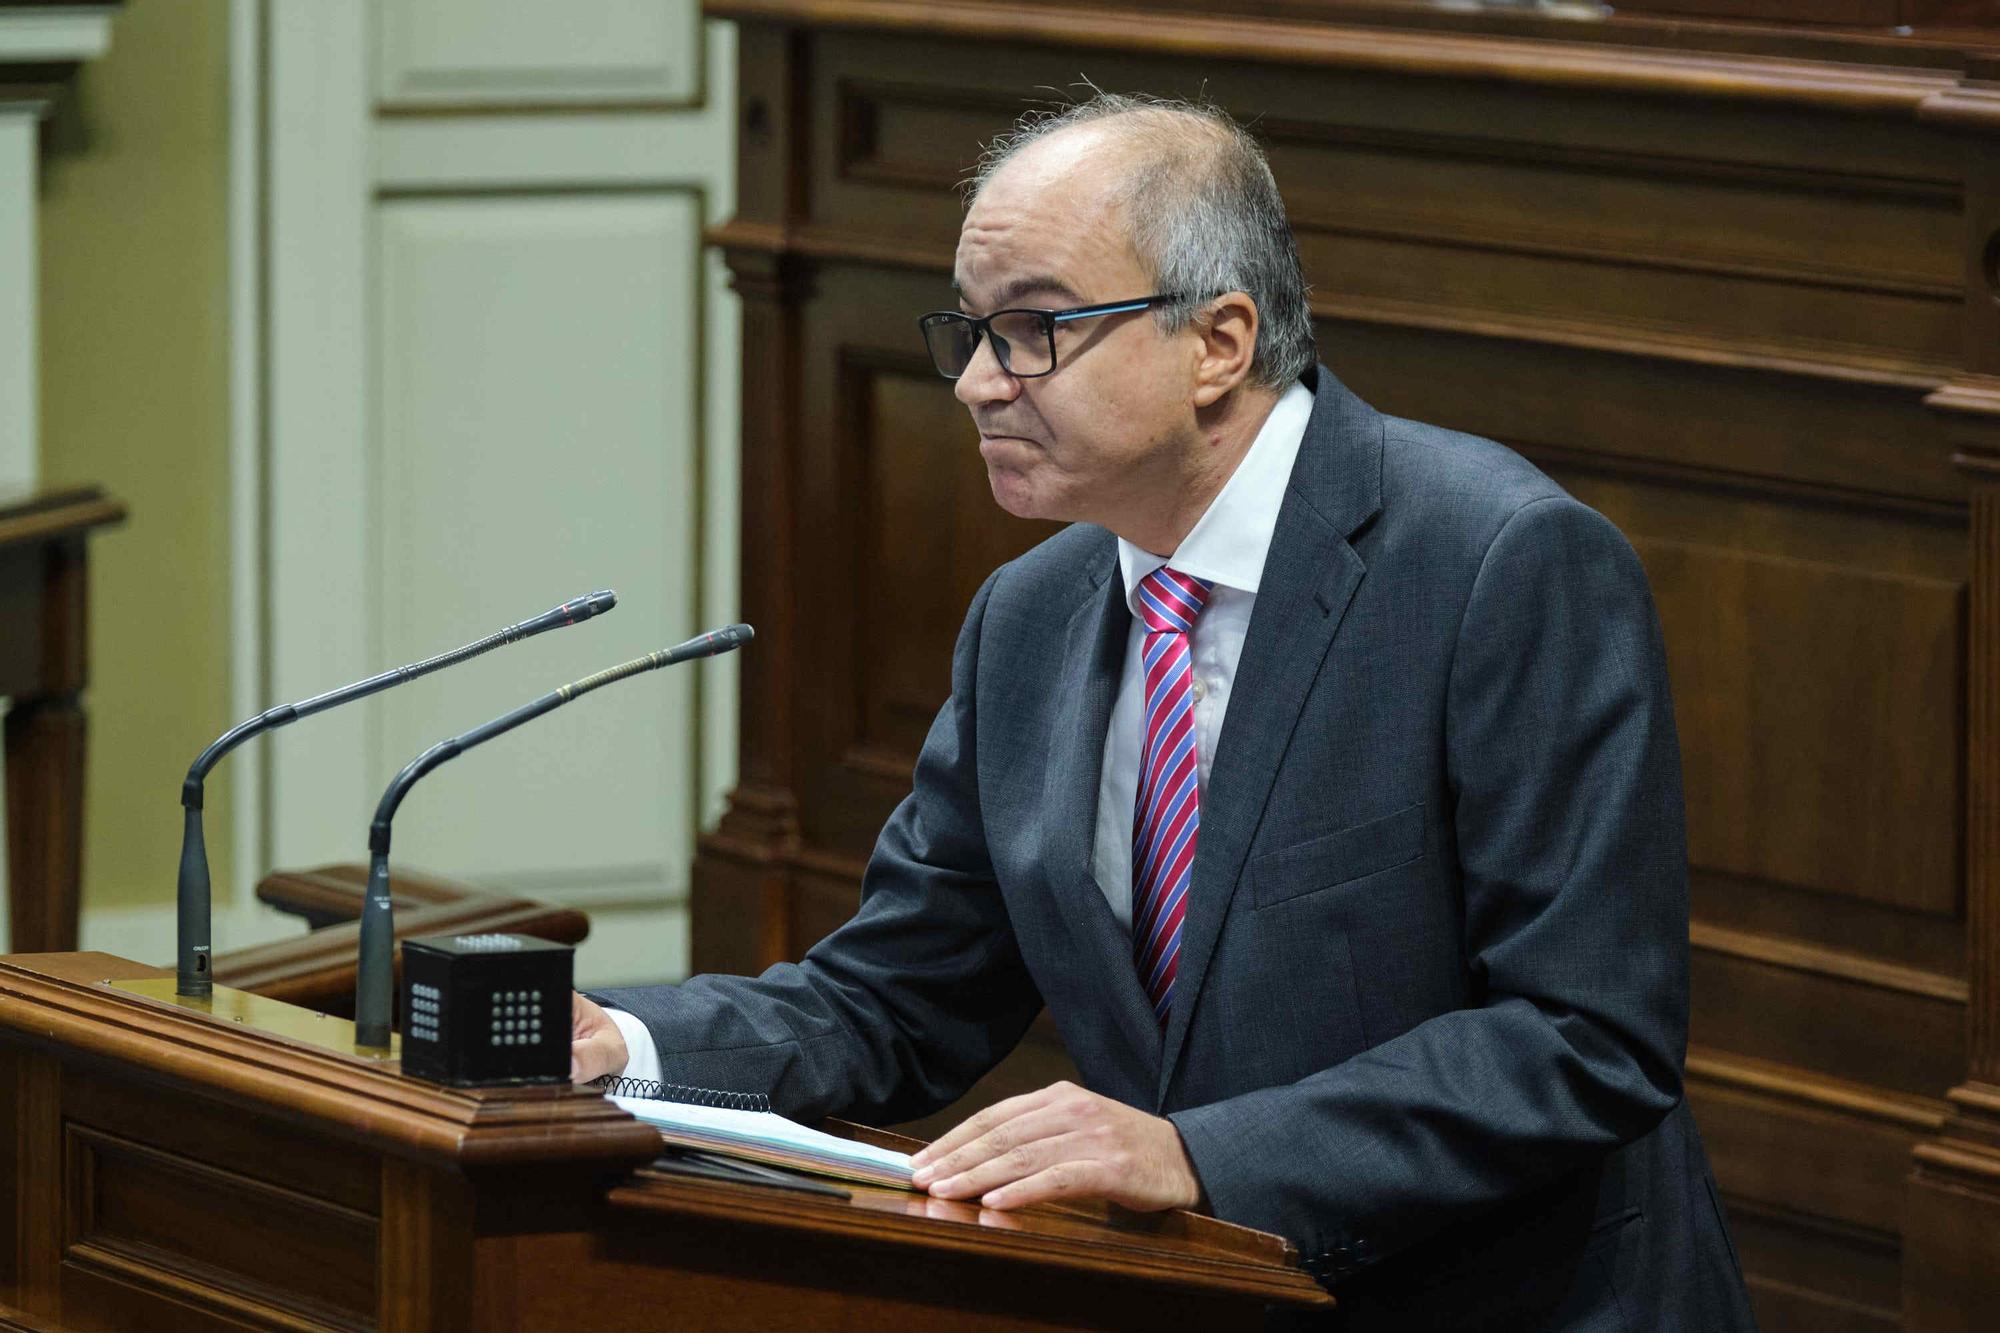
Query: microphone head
(577,610)
(726,639)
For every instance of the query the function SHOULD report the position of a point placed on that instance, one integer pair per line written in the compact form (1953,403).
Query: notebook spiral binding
(678,1092)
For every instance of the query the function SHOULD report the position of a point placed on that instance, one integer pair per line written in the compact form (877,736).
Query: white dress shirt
(1226,546)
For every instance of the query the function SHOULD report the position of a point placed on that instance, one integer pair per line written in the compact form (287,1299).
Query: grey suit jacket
(1432,1005)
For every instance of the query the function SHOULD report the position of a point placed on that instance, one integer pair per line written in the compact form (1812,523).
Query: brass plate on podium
(275,1017)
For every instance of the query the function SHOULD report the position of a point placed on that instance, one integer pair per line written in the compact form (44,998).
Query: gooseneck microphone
(192,893)
(374,980)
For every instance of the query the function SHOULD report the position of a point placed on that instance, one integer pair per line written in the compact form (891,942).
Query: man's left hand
(1061,1143)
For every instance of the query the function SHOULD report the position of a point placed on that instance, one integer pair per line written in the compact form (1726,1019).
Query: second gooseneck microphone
(374,981)
(192,891)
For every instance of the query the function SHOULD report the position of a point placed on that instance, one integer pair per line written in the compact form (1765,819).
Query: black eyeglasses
(1023,340)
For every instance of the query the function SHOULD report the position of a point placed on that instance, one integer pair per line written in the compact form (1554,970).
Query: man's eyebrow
(1016,288)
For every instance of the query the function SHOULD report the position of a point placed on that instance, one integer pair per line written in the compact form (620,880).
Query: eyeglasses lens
(951,342)
(1020,340)
(1027,342)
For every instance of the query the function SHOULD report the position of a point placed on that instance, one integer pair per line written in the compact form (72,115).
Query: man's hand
(1061,1143)
(596,1047)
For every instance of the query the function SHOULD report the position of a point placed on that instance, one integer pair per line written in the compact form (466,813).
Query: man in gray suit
(1321,779)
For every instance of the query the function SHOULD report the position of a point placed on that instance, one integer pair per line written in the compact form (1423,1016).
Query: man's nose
(985,380)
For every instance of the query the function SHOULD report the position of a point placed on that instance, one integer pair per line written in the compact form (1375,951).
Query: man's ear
(1228,332)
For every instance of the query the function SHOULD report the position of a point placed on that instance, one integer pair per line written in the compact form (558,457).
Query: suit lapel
(1093,658)
(1310,576)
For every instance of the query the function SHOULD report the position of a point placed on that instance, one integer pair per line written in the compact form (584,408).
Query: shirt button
(1200,691)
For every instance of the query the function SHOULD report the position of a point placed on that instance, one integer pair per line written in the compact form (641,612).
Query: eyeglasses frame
(982,327)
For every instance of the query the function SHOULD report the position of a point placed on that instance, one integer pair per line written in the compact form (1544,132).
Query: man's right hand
(596,1047)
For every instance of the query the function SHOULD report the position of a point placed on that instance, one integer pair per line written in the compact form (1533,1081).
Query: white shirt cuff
(642,1057)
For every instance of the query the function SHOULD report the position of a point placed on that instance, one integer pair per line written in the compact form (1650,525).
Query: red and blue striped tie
(1168,813)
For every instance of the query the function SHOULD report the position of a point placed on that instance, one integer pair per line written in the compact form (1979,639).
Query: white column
(18,365)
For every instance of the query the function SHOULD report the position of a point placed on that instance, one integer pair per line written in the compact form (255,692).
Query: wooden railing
(316,970)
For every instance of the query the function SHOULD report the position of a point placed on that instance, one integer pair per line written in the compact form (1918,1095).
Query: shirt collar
(1228,543)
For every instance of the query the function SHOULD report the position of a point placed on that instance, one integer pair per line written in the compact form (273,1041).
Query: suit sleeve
(900,1010)
(1565,772)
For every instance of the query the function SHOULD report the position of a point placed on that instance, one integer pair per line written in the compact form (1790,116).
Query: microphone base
(275,1018)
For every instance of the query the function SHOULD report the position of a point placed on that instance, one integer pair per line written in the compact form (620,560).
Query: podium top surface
(65,1002)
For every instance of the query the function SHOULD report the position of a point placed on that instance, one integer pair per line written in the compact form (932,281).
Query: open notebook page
(764,1136)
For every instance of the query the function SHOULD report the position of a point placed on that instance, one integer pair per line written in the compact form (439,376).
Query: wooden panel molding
(1823,699)
(215,1238)
(1877,88)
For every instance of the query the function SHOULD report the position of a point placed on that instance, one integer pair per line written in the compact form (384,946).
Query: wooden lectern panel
(166,1169)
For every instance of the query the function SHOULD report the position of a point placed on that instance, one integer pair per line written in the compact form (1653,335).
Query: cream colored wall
(135,397)
(199,244)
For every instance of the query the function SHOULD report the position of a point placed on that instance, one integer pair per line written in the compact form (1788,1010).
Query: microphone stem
(374,979)
(378,959)
(375,975)
(191,893)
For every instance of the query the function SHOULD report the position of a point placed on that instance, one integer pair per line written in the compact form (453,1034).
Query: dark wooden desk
(44,663)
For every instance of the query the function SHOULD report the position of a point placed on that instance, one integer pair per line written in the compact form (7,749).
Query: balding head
(1194,198)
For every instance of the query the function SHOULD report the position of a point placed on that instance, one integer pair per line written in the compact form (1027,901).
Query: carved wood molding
(761,823)
(1829,362)
(1809,1089)
(1839,964)
(1972,105)
(75,511)
(1875,88)
(316,970)
(1969,1142)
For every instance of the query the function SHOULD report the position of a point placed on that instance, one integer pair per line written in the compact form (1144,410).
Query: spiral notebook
(742,1124)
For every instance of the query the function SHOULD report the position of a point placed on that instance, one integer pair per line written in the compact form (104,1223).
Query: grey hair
(1204,216)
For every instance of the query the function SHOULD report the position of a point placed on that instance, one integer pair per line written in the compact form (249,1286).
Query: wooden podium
(168,1168)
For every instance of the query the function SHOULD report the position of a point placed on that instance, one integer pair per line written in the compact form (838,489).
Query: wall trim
(73,32)
(249,687)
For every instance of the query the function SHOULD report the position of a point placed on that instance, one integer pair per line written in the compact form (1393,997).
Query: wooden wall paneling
(740,866)
(1534,388)
(1952,1259)
(1707,277)
(1806,1273)
(1884,1037)
(1817,1169)
(1951,1276)
(1928,949)
(900,491)
(1822,698)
